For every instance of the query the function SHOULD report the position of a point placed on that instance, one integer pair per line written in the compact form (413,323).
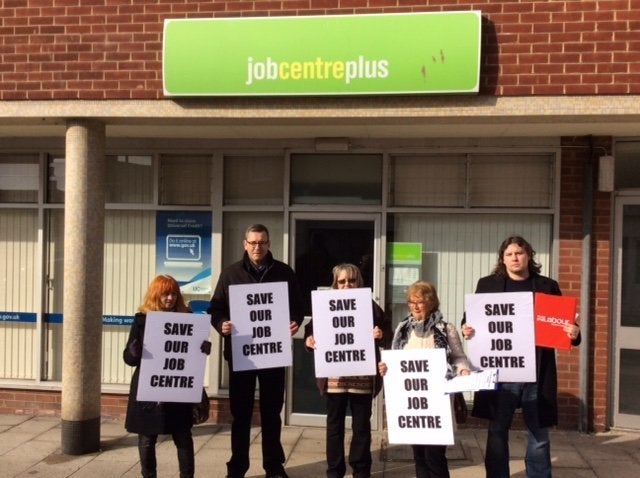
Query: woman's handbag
(201,409)
(460,407)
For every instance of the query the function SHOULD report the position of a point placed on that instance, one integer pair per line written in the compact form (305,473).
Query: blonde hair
(426,290)
(162,284)
(352,270)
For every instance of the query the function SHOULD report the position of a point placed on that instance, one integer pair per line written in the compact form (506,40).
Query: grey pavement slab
(30,447)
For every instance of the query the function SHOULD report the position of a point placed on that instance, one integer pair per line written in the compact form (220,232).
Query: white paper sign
(482,380)
(343,331)
(172,365)
(418,410)
(260,336)
(504,335)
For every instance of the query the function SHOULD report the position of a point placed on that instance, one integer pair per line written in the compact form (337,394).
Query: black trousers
(242,386)
(431,461)
(360,448)
(184,446)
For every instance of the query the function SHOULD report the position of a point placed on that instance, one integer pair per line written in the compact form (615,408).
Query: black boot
(186,457)
(147,451)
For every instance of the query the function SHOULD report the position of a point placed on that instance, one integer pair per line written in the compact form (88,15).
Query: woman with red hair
(150,419)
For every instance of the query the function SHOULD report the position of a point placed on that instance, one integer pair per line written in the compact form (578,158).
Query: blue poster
(183,249)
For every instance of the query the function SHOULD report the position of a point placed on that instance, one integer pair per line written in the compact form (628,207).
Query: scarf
(434,324)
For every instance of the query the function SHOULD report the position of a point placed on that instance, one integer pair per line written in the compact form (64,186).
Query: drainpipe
(585,291)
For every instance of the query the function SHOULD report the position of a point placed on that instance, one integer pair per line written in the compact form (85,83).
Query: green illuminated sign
(417,53)
(407,253)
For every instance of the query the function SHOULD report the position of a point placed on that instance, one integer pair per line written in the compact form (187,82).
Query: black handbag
(460,407)
(201,409)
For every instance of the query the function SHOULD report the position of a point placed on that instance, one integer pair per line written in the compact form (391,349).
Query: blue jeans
(538,455)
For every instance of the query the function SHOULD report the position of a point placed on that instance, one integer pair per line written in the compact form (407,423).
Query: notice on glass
(260,336)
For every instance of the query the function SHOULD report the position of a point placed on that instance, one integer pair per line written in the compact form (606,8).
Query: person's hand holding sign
(382,369)
(377,333)
(226,327)
(573,330)
(205,347)
(310,342)
(467,331)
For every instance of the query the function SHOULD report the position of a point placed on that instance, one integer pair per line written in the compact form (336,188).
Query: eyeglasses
(417,303)
(344,281)
(257,243)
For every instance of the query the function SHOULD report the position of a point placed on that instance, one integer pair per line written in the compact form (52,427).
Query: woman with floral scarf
(426,328)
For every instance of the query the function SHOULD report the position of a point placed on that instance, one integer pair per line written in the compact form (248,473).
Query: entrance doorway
(319,243)
(627,314)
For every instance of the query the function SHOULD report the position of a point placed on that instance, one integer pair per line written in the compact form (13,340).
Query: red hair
(162,284)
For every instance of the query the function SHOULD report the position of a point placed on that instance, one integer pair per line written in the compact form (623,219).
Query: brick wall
(576,154)
(111,49)
(113,406)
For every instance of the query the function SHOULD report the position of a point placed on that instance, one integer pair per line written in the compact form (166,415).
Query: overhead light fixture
(606,165)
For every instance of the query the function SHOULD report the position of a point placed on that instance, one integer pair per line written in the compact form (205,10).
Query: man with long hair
(516,270)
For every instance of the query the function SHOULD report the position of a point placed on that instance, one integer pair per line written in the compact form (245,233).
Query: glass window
(54,266)
(129,179)
(55,180)
(253,180)
(629,378)
(456,251)
(185,180)
(511,181)
(627,172)
(129,266)
(336,179)
(428,180)
(18,298)
(19,178)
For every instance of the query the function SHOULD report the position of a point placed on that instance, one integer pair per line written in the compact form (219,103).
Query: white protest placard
(260,336)
(504,335)
(343,332)
(418,410)
(172,365)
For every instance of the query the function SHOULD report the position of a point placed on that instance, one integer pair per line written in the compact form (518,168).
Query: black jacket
(380,320)
(151,418)
(240,273)
(484,405)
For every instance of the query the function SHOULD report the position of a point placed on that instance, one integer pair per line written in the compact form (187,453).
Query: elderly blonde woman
(425,327)
(356,392)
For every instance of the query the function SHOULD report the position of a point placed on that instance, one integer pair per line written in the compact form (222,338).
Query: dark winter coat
(241,273)
(379,320)
(484,405)
(151,418)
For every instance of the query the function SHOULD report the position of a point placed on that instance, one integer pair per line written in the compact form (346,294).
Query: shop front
(412,166)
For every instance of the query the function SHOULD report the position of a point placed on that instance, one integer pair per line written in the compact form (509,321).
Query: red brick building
(93,152)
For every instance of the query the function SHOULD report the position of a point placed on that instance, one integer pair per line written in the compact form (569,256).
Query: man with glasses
(256,266)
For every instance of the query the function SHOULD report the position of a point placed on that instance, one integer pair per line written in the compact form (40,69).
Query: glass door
(319,242)
(627,314)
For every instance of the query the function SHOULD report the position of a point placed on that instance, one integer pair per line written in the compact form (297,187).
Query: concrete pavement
(30,447)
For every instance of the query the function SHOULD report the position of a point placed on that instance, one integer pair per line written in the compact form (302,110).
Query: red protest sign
(552,313)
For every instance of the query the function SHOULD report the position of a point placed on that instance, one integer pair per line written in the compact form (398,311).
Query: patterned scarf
(434,324)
